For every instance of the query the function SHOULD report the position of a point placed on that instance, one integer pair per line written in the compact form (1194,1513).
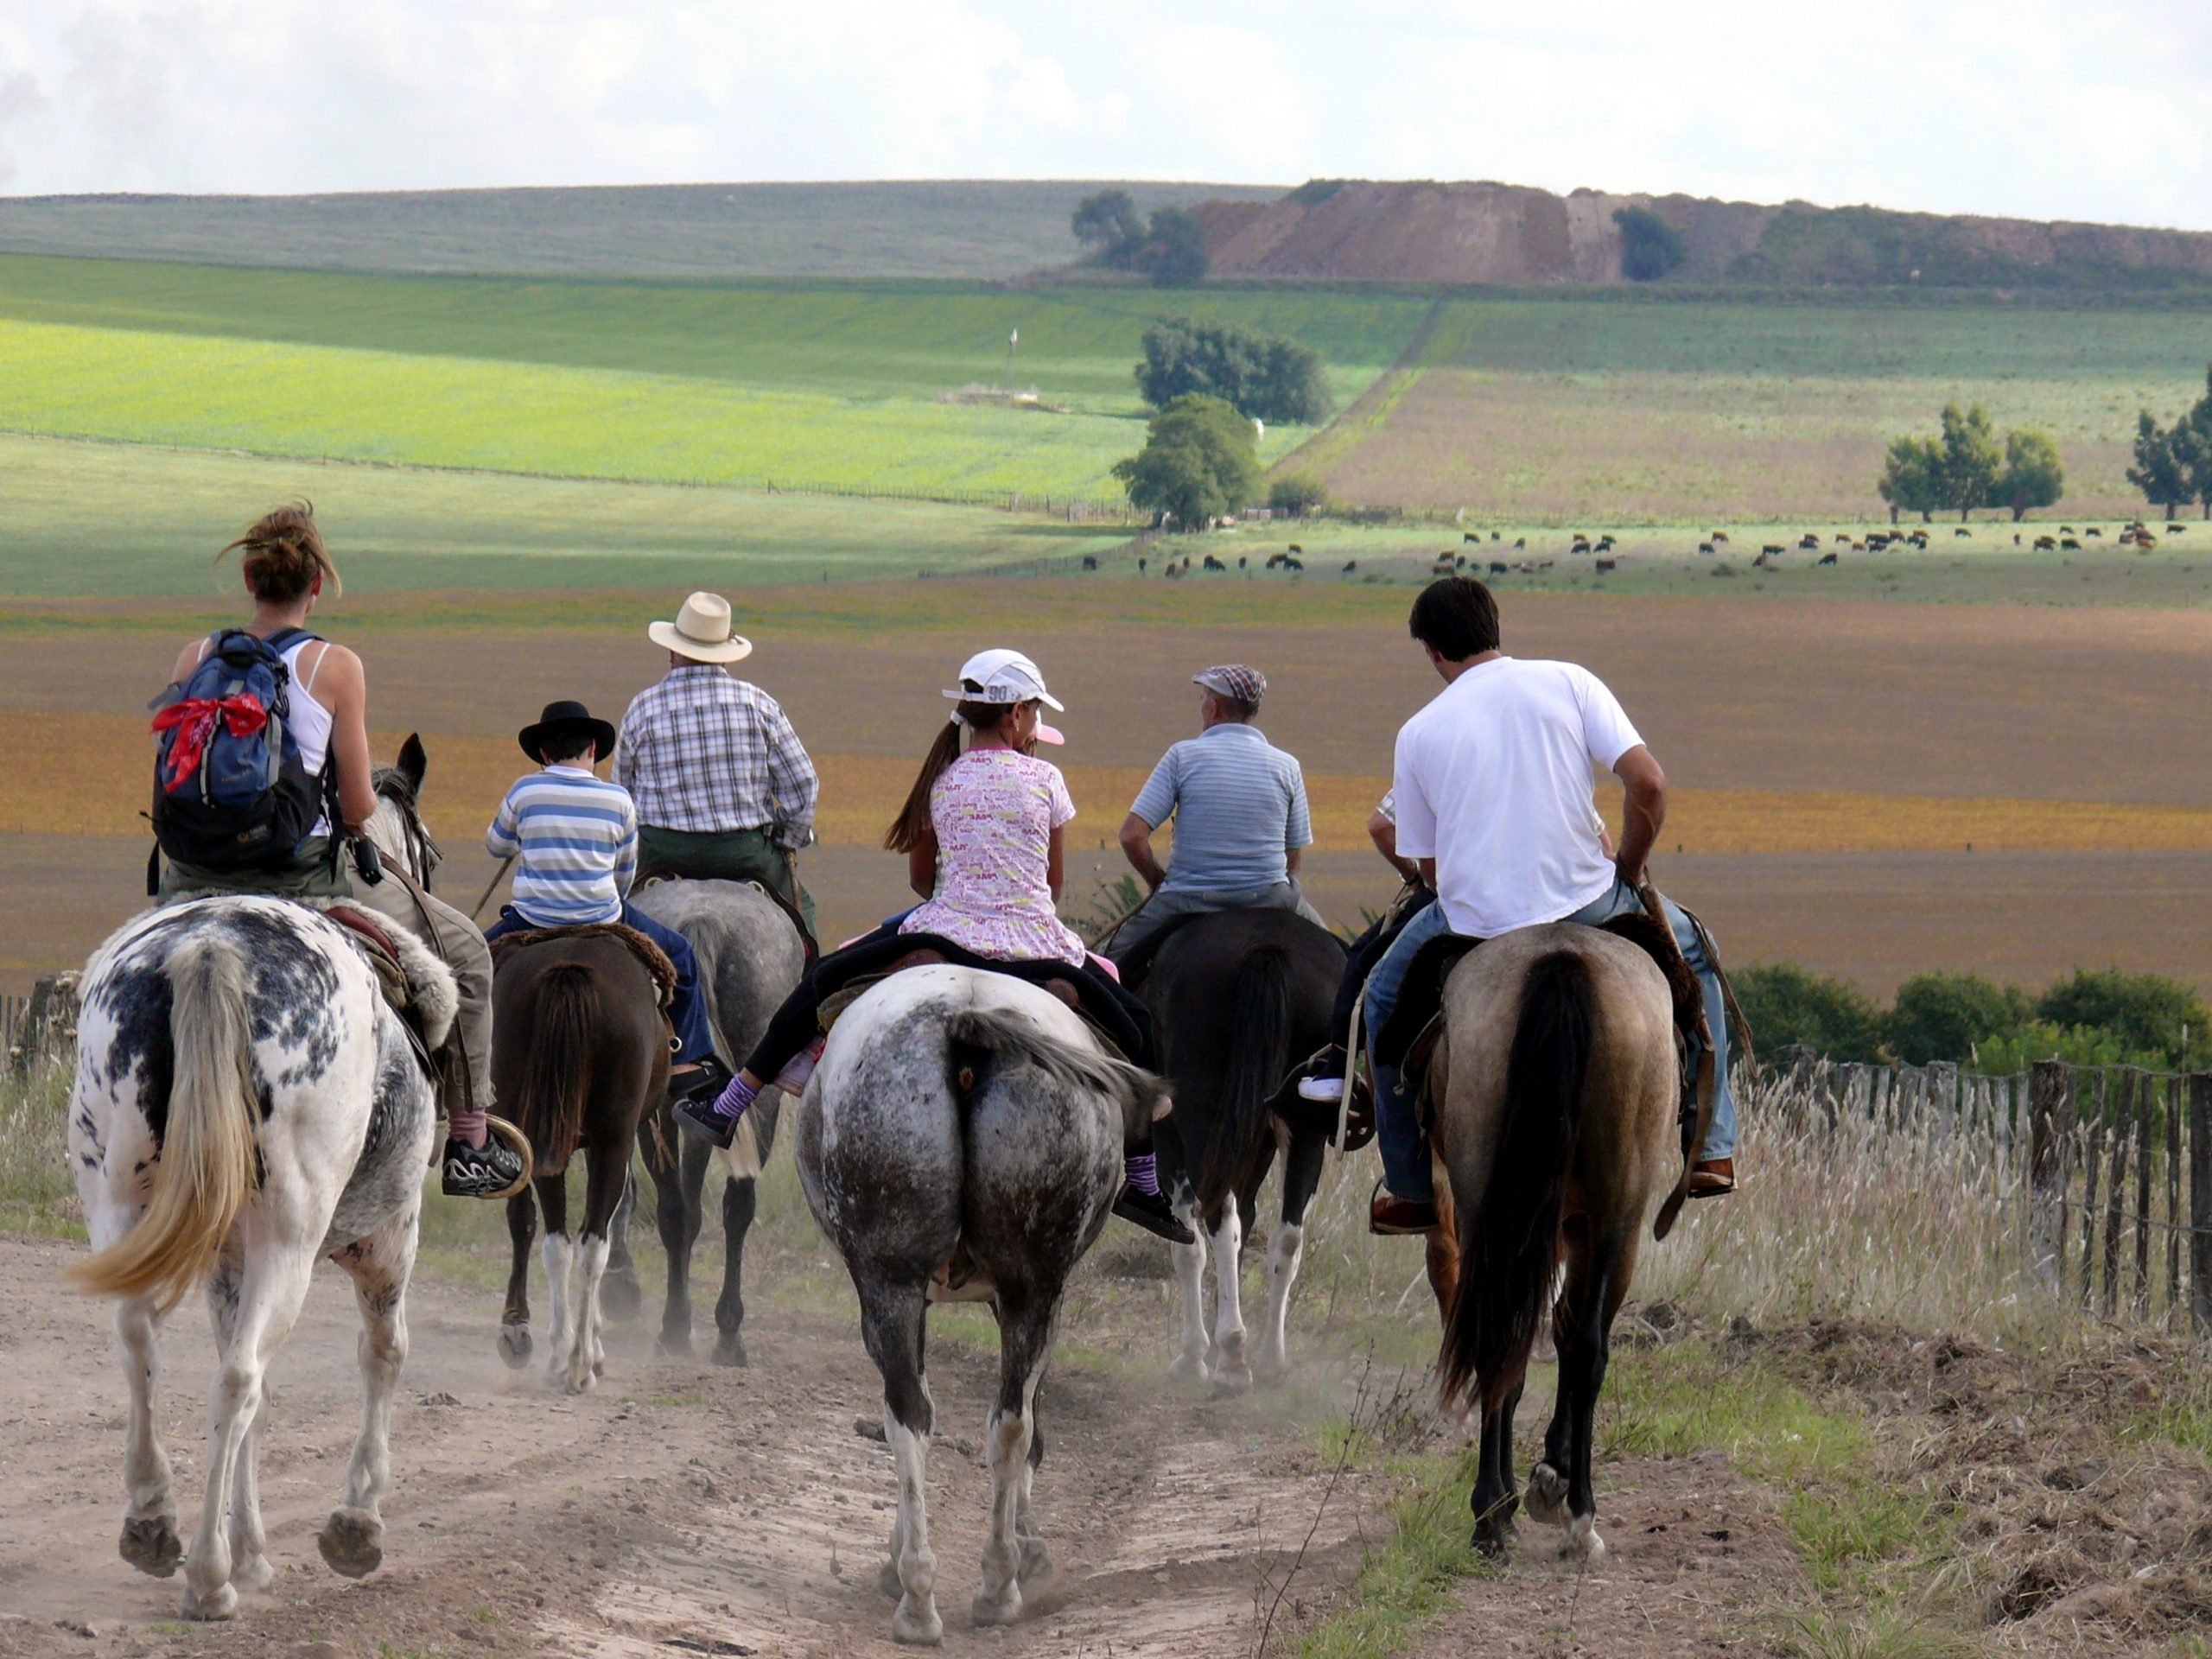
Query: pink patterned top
(994,811)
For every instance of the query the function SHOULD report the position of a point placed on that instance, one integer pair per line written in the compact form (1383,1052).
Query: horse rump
(1259,1055)
(210,1156)
(977,1037)
(557,1065)
(1509,1240)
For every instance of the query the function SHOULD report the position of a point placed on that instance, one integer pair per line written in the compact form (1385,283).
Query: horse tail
(557,1069)
(1259,1055)
(1509,1238)
(975,1037)
(209,1162)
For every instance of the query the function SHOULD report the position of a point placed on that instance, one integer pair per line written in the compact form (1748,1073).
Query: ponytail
(913,820)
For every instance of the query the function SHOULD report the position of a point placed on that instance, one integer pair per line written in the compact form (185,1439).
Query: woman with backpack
(294,828)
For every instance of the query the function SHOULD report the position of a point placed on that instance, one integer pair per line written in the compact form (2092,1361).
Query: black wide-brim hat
(566,719)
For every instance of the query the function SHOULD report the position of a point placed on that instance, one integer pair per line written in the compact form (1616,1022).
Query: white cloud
(2044,108)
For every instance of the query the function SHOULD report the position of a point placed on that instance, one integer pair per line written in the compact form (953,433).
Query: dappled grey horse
(967,1119)
(750,955)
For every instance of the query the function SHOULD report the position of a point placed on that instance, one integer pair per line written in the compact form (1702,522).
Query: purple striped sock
(1144,1174)
(733,1100)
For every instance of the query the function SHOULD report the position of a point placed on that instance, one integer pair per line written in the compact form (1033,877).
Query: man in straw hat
(722,784)
(1241,820)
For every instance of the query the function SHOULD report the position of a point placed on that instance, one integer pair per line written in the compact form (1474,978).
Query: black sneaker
(1152,1211)
(697,1116)
(486,1172)
(705,1083)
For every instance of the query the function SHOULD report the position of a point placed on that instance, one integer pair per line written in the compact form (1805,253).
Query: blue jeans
(1406,1169)
(687,1009)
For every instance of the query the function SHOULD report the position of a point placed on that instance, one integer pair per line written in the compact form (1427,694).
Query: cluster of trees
(1201,461)
(1261,376)
(2095,1017)
(1171,249)
(1967,467)
(1650,247)
(2173,464)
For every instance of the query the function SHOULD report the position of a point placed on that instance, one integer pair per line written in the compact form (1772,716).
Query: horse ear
(413,762)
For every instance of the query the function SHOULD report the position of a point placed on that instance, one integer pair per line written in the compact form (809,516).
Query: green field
(972,228)
(127,521)
(835,386)
(1644,411)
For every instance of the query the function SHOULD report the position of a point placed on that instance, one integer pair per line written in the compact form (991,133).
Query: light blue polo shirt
(1238,803)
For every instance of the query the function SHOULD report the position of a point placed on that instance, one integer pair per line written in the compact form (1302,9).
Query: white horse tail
(206,1172)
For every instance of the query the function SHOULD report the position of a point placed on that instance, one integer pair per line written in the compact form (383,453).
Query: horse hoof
(150,1544)
(1233,1379)
(1270,1371)
(730,1351)
(918,1629)
(253,1573)
(673,1344)
(1546,1496)
(514,1346)
(352,1542)
(1582,1540)
(221,1602)
(1005,1608)
(1037,1569)
(886,1580)
(1490,1543)
(620,1299)
(1188,1368)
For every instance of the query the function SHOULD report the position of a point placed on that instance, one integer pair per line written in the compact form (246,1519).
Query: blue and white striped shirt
(1239,804)
(575,841)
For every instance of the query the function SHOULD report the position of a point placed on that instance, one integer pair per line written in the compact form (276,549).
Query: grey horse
(750,955)
(964,1119)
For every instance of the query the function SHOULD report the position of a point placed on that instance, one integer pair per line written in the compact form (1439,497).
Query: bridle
(424,854)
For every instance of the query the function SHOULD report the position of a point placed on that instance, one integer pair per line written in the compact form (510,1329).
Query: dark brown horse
(1555,1091)
(579,1050)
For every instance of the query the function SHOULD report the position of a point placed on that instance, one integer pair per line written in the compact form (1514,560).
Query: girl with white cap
(982,831)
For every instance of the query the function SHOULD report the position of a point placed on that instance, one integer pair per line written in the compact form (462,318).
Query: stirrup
(519,1143)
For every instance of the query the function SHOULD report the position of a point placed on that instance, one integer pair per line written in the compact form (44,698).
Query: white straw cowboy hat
(701,631)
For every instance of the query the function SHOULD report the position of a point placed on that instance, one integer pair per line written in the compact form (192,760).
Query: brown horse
(1555,1091)
(579,1050)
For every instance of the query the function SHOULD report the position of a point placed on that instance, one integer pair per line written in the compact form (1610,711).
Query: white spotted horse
(246,1101)
(964,1126)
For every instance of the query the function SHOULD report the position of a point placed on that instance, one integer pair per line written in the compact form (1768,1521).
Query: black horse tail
(556,1070)
(1259,1058)
(1509,1240)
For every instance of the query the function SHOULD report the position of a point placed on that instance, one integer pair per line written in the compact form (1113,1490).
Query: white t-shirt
(1493,783)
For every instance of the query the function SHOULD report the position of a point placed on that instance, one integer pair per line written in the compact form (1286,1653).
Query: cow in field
(1705,547)
(1605,566)
(1089,563)
(1212,563)
(1961,530)
(1289,563)
(1498,567)
(1809,542)
(2050,543)
(2068,543)
(1828,558)
(1471,536)
(1350,565)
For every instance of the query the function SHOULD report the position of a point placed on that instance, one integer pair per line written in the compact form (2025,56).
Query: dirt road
(680,1508)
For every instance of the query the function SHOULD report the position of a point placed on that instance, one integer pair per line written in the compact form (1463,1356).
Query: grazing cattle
(1705,547)
(1471,536)
(1289,563)
(1212,563)
(2068,543)
(1605,542)
(1861,547)
(1719,538)
(1273,559)
(1526,569)
(1809,542)
(1242,562)
(1460,564)
(2091,531)
(1498,567)
(2066,529)
(1843,535)
(2050,543)
(1605,566)
(244,1103)
(1580,539)
(1174,572)
(964,1128)
(1961,530)
(1442,565)
(2016,537)
(2145,541)
(1295,548)
(1828,558)
(1498,535)
(1521,544)
(1772,550)
(2177,530)
(1350,565)
(1765,561)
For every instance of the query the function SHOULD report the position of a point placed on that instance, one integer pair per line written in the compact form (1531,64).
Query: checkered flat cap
(1233,680)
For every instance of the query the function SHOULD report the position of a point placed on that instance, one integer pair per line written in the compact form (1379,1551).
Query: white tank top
(310,719)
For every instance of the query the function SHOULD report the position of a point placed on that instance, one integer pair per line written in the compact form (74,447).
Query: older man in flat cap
(1241,820)
(723,786)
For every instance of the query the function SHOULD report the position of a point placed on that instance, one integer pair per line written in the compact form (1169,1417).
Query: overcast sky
(2078,109)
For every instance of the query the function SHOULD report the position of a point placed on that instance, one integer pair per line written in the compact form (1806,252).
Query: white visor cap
(1005,677)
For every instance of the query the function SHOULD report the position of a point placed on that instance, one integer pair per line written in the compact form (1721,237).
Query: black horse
(1239,997)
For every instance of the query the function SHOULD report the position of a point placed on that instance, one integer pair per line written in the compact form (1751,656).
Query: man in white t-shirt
(1494,802)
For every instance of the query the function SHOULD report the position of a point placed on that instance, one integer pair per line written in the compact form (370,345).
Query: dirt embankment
(1517,235)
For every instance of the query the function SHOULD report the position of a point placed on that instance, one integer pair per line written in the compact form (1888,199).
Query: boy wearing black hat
(574,838)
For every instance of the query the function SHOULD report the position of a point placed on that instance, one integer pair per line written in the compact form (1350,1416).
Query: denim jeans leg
(1406,1169)
(1721,1134)
(688,1006)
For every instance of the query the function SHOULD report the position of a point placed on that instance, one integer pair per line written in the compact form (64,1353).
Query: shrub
(1197,463)
(1944,1016)
(2016,1050)
(2148,1013)
(1298,494)
(1788,1004)
(1650,247)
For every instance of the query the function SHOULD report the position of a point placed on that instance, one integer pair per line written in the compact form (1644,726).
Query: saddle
(651,956)
(934,952)
(420,988)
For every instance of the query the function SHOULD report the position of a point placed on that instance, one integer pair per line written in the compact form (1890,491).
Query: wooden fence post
(2047,1166)
(2200,1199)
(2175,1094)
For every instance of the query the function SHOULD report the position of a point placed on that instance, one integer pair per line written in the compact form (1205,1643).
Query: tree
(1910,481)
(1199,462)
(1650,247)
(2033,476)
(1108,223)
(1175,251)
(1948,1016)
(2192,454)
(2146,1012)
(1264,378)
(1298,494)
(1784,1006)
(2157,471)
(1971,459)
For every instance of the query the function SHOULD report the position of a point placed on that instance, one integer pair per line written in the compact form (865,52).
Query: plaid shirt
(703,751)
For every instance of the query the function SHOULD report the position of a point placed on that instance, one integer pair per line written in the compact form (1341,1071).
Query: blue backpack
(231,792)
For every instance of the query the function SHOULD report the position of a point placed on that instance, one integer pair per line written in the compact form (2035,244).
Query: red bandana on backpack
(193,721)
